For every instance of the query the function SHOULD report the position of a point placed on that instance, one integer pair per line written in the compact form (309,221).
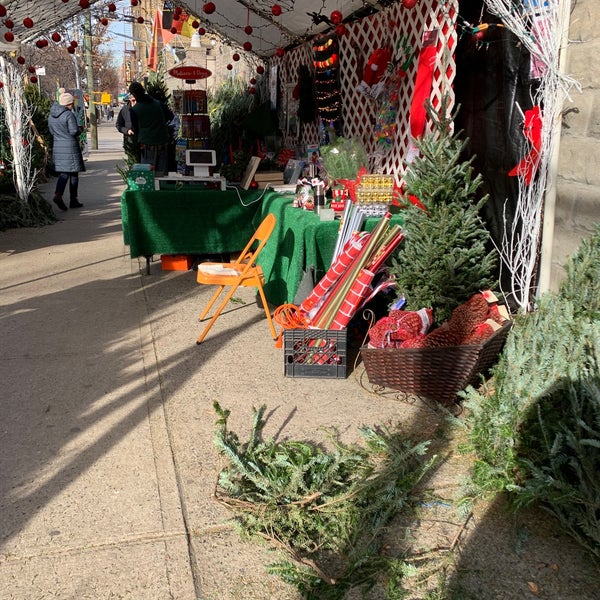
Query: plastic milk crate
(315,353)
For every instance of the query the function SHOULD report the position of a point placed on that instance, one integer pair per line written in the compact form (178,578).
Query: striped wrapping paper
(358,292)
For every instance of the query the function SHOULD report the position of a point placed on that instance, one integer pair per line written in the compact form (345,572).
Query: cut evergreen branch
(327,509)
(535,428)
(444,258)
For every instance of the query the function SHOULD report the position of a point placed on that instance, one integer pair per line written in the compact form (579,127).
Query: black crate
(315,353)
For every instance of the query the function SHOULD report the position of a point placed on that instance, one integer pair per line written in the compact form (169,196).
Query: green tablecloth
(300,240)
(188,221)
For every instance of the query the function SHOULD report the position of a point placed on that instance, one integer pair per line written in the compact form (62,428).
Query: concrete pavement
(89,500)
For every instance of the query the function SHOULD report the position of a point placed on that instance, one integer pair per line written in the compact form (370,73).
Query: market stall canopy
(257,24)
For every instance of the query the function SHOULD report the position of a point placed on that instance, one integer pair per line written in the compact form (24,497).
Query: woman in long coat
(66,151)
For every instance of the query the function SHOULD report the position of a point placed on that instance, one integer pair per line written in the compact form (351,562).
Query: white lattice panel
(392,27)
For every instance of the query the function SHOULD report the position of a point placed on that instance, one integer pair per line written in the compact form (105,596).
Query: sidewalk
(89,502)
(107,457)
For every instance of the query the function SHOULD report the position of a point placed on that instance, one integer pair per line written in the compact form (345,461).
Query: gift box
(140,179)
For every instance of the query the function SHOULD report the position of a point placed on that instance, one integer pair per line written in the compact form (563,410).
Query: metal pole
(89,74)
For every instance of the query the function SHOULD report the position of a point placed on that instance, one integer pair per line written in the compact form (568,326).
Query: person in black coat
(66,150)
(125,126)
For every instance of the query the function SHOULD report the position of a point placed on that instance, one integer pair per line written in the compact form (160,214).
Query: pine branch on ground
(327,509)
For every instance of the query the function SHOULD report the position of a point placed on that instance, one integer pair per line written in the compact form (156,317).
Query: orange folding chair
(244,272)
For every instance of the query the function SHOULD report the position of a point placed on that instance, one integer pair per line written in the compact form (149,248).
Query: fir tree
(444,259)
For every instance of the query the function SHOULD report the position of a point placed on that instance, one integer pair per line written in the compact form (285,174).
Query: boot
(75,204)
(59,202)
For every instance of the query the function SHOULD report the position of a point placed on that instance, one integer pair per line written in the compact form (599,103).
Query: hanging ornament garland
(327,85)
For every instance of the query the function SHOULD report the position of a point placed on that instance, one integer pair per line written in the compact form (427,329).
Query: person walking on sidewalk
(66,151)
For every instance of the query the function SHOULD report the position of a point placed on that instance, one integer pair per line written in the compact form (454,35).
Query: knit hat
(65,99)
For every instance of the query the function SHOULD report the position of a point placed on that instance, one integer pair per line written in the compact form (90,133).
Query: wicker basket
(434,373)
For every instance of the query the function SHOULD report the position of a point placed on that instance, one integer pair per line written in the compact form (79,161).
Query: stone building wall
(578,181)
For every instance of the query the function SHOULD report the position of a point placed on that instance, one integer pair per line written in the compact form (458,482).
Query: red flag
(156,42)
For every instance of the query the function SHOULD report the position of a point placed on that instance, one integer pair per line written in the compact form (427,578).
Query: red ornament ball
(252,81)
(252,90)
(336,17)
(71,50)
(140,20)
(236,56)
(65,1)
(84,3)
(56,37)
(38,43)
(21,60)
(2,10)
(253,185)
(229,67)
(31,69)
(112,7)
(260,69)
(73,44)
(248,29)
(276,10)
(134,2)
(104,21)
(201,30)
(280,52)
(247,46)
(33,79)
(195,24)
(28,22)
(409,3)
(177,10)
(341,30)
(1,84)
(173,30)
(9,24)
(209,8)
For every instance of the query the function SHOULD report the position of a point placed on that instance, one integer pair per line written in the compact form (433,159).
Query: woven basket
(434,373)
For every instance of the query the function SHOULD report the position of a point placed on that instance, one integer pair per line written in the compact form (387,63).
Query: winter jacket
(124,123)
(150,118)
(66,151)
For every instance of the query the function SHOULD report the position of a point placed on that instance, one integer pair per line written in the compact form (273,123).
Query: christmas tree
(444,258)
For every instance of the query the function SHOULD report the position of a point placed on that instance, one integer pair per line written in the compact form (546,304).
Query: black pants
(157,156)
(61,183)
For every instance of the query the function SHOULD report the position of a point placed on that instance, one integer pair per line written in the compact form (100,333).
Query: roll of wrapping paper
(326,313)
(353,246)
(358,292)
(352,220)
(395,236)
